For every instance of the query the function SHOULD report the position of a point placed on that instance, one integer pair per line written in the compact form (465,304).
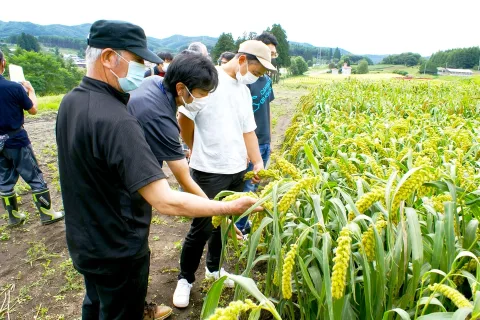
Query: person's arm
(253,151)
(31,94)
(270,115)
(181,172)
(127,152)
(272,97)
(175,203)
(187,128)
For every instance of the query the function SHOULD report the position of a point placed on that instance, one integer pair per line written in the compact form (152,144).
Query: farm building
(334,71)
(454,72)
(346,70)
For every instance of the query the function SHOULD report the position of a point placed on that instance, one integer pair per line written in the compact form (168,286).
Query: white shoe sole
(181,305)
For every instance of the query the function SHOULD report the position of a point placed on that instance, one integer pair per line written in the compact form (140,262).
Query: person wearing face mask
(167,58)
(189,82)
(221,136)
(160,69)
(110,178)
(262,95)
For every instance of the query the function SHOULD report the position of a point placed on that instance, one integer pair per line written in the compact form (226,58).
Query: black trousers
(202,229)
(120,296)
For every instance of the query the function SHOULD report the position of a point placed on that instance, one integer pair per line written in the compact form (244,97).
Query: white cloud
(370,26)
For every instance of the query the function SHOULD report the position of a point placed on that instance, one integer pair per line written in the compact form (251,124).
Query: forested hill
(73,37)
(14,28)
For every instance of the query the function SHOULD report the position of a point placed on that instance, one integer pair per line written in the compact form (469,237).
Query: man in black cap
(109,176)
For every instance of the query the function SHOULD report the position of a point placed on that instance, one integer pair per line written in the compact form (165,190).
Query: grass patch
(182,219)
(49,104)
(39,251)
(74,280)
(156,220)
(4,233)
(22,188)
(178,245)
(170,270)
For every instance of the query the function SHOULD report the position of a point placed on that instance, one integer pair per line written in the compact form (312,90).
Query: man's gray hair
(198,47)
(93,54)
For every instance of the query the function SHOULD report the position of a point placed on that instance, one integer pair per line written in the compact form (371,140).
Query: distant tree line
(354,59)
(25,41)
(310,53)
(464,58)
(63,42)
(226,42)
(31,43)
(49,74)
(409,59)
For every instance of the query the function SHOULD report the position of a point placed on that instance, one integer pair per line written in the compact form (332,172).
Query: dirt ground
(37,280)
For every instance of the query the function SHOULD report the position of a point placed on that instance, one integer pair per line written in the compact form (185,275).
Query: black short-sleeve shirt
(103,160)
(13,100)
(155,108)
(262,95)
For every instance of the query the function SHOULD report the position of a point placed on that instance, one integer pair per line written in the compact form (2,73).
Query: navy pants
(249,186)
(20,162)
(119,296)
(202,229)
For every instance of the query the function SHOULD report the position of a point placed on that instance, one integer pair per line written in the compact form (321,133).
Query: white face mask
(197,103)
(248,78)
(165,66)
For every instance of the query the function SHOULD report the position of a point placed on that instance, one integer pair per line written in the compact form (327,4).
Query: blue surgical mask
(134,76)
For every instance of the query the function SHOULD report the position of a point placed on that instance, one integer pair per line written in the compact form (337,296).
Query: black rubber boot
(44,205)
(10,204)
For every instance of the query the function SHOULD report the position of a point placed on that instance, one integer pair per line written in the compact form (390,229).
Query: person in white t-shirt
(222,137)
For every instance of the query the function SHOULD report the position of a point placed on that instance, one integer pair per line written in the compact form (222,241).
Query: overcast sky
(361,27)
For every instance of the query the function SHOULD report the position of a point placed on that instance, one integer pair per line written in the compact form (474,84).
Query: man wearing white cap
(221,136)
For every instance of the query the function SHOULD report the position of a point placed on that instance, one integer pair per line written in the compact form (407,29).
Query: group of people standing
(115,131)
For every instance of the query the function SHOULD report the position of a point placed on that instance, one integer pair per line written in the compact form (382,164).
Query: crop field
(371,210)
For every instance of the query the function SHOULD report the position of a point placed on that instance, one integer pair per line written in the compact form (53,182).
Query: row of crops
(371,209)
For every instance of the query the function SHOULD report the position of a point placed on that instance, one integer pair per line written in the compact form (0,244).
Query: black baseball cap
(121,35)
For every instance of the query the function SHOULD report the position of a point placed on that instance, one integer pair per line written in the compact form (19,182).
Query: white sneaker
(181,296)
(229,283)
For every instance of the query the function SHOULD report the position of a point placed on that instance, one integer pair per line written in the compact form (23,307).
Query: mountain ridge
(174,43)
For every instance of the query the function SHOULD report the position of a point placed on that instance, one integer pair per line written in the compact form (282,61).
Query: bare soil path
(37,280)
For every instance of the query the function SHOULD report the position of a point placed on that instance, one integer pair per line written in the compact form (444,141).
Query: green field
(372,209)
(48,104)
